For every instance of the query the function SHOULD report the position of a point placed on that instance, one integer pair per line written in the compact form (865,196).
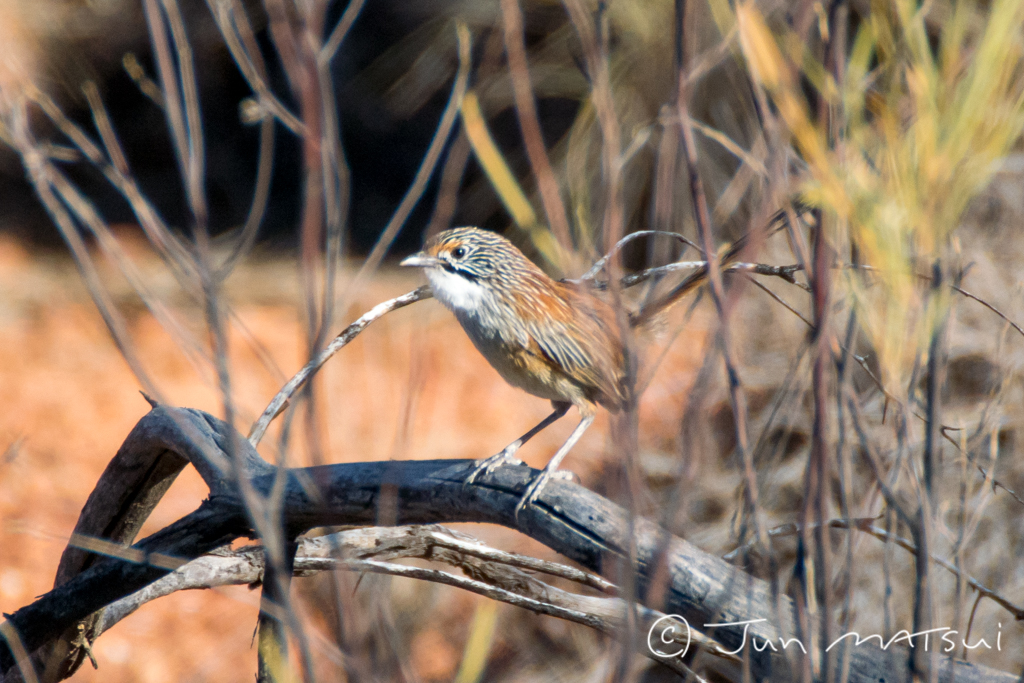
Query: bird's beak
(421,260)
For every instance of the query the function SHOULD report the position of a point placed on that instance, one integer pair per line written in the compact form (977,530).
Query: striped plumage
(546,337)
(553,339)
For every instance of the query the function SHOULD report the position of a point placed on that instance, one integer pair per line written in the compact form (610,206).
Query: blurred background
(295,150)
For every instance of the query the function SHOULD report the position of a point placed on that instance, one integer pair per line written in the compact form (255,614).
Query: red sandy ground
(69,399)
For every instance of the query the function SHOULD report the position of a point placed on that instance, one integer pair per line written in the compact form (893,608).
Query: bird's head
(467,265)
(471,253)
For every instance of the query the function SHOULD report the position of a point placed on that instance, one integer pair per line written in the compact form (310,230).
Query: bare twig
(40,173)
(816,550)
(866,524)
(470,546)
(22,660)
(601,262)
(426,169)
(241,29)
(258,207)
(337,182)
(280,400)
(778,221)
(529,123)
(592,31)
(954,287)
(737,395)
(784,272)
(232,22)
(783,303)
(180,98)
(194,173)
(448,190)
(174,253)
(990,307)
(341,29)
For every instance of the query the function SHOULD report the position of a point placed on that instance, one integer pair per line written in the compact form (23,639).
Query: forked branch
(573,521)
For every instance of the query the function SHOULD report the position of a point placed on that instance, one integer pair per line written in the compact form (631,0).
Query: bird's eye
(458,252)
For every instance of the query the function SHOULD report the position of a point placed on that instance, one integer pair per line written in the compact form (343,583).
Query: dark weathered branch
(576,522)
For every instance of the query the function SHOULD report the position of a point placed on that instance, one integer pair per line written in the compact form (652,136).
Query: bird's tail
(779,220)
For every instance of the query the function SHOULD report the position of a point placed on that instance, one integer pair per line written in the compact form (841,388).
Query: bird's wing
(585,342)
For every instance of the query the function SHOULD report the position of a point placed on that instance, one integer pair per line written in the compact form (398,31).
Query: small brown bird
(556,340)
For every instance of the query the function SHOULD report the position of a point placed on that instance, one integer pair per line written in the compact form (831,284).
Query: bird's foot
(488,465)
(533,490)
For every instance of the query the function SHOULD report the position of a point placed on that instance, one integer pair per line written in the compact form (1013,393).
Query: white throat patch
(456,292)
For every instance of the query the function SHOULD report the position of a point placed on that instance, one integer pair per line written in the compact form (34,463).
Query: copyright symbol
(666,628)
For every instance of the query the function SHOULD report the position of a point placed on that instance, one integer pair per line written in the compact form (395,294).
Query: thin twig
(776,222)
(737,395)
(970,626)
(39,171)
(730,146)
(783,303)
(286,45)
(264,167)
(592,29)
(784,272)
(866,524)
(178,258)
(21,657)
(248,61)
(600,263)
(341,29)
(954,287)
(529,123)
(337,176)
(867,453)
(195,177)
(258,207)
(426,169)
(280,400)
(105,127)
(478,549)
(712,57)
(989,307)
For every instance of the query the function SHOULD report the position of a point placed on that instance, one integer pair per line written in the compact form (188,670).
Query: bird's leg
(505,457)
(533,490)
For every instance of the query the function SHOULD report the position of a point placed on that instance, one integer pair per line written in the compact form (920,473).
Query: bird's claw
(566,475)
(533,490)
(488,465)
